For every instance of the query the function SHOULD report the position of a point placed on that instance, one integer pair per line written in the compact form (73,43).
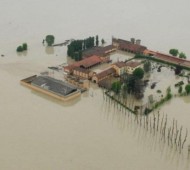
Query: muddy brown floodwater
(88,133)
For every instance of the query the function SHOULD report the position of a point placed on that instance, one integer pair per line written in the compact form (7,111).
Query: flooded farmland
(88,133)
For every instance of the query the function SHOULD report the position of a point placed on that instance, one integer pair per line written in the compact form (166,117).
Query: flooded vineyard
(90,132)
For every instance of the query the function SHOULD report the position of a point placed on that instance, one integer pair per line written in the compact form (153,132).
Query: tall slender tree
(97,40)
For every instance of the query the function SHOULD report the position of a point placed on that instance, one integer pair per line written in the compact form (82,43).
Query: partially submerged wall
(27,82)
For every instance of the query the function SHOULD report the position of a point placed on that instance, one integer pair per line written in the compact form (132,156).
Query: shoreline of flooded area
(87,133)
(66,135)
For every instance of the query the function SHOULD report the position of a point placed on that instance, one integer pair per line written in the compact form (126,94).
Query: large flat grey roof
(57,86)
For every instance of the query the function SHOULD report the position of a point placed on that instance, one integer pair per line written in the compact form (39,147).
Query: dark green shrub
(19,49)
(180,89)
(24,46)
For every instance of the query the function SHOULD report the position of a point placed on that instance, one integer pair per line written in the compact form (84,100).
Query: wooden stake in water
(172,131)
(179,141)
(188,150)
(185,138)
(169,130)
(158,121)
(164,130)
(161,124)
(154,122)
(175,140)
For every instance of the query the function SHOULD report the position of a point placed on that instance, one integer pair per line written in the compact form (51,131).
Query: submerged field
(41,133)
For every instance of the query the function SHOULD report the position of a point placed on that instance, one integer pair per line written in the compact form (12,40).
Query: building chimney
(138,42)
(133,40)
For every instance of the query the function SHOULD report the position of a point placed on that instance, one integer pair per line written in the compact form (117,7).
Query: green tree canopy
(187,88)
(50,40)
(180,89)
(147,66)
(174,52)
(19,49)
(168,93)
(138,73)
(116,86)
(103,41)
(24,46)
(76,47)
(97,40)
(182,55)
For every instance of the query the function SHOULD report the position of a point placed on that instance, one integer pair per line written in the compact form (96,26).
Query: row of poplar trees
(75,48)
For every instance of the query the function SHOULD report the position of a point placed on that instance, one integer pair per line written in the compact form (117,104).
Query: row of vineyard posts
(171,134)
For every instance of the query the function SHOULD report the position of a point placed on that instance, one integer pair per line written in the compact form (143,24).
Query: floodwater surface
(88,133)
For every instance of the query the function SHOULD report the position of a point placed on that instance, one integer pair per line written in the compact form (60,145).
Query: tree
(182,55)
(138,73)
(147,66)
(168,93)
(84,44)
(19,49)
(187,88)
(178,70)
(103,41)
(79,56)
(24,46)
(180,89)
(138,88)
(130,83)
(76,56)
(50,40)
(116,86)
(174,52)
(97,41)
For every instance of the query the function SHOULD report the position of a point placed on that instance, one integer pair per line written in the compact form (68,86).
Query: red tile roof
(129,46)
(99,51)
(82,70)
(69,67)
(120,64)
(133,64)
(172,59)
(90,61)
(85,63)
(105,73)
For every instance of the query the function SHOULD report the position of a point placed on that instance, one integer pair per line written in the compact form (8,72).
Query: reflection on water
(88,128)
(56,101)
(49,50)
(186,99)
(88,133)
(25,53)
(148,137)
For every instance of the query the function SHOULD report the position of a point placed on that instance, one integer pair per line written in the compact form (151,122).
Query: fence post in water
(137,119)
(161,124)
(144,121)
(179,142)
(151,124)
(188,150)
(158,121)
(154,121)
(185,138)
(176,134)
(164,130)
(169,135)
(172,131)
(147,122)
(175,140)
